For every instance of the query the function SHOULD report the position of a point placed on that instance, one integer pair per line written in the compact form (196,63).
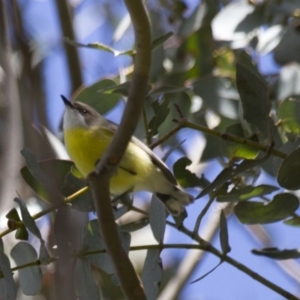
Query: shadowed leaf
(281,207)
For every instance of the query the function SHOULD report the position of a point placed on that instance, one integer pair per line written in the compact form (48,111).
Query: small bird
(87,135)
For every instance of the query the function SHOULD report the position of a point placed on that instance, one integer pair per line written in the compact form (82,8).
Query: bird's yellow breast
(86,147)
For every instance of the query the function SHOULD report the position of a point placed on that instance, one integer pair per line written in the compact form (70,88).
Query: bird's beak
(67,102)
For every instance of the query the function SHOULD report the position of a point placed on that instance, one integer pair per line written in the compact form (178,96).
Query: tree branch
(183,123)
(99,180)
(71,51)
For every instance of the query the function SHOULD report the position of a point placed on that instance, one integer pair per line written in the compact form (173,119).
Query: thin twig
(209,248)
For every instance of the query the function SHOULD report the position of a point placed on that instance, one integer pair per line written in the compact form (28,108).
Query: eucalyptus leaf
(161,111)
(92,242)
(160,40)
(31,277)
(254,95)
(8,288)
(230,172)
(52,192)
(152,274)
(238,150)
(101,95)
(28,221)
(194,22)
(224,240)
(288,113)
(86,287)
(282,206)
(136,225)
(278,254)
(184,176)
(157,219)
(245,193)
(289,172)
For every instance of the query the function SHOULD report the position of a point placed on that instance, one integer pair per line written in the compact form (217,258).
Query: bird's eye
(83,111)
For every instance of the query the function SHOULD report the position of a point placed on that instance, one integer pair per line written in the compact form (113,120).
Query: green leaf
(60,172)
(294,221)
(100,95)
(30,278)
(22,233)
(278,254)
(160,40)
(288,112)
(8,288)
(224,234)
(219,94)
(50,190)
(152,274)
(286,148)
(168,89)
(134,226)
(86,287)
(157,219)
(13,215)
(230,172)
(100,46)
(248,192)
(281,207)
(93,241)
(184,176)
(194,22)
(254,94)
(236,150)
(29,222)
(289,173)
(161,112)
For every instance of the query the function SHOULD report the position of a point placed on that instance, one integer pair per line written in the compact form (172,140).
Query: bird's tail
(175,201)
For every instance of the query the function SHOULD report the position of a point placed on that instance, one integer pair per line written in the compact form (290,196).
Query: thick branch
(99,180)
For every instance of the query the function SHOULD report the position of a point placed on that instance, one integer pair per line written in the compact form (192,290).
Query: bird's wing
(109,125)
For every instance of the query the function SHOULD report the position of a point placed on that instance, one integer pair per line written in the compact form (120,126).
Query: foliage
(206,76)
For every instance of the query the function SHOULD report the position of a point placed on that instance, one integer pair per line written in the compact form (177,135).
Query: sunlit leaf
(194,22)
(294,221)
(100,46)
(219,94)
(281,207)
(237,150)
(245,193)
(288,113)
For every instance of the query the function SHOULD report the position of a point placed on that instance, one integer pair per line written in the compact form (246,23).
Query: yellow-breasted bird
(87,135)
